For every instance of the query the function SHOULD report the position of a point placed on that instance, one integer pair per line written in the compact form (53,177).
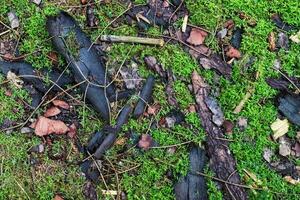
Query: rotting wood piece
(221,160)
(75,46)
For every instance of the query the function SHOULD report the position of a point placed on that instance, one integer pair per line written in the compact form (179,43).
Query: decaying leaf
(89,191)
(61,104)
(279,128)
(152,110)
(73,131)
(58,197)
(284,146)
(45,126)
(228,126)
(145,142)
(14,79)
(216,62)
(233,53)
(292,181)
(268,153)
(296,38)
(53,111)
(131,76)
(283,41)
(197,37)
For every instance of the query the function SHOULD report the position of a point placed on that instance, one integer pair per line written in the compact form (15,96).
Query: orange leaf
(45,126)
(61,104)
(53,111)
(197,37)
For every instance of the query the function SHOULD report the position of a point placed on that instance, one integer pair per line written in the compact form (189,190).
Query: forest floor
(146,174)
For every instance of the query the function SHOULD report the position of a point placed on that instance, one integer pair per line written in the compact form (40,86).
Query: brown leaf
(53,111)
(145,142)
(61,104)
(45,126)
(53,57)
(153,110)
(272,41)
(198,50)
(192,109)
(73,131)
(83,2)
(229,24)
(58,197)
(197,36)
(228,126)
(233,53)
(8,93)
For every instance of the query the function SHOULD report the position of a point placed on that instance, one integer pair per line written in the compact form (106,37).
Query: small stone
(284,146)
(26,130)
(13,19)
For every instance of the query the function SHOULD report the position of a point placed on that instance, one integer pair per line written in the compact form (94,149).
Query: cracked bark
(222,161)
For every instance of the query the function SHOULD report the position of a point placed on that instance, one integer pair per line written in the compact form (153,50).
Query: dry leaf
(279,128)
(45,126)
(61,104)
(197,37)
(145,142)
(153,110)
(53,111)
(229,24)
(14,79)
(290,180)
(73,131)
(58,197)
(296,38)
(233,53)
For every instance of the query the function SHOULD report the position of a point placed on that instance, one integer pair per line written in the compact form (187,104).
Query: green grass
(149,180)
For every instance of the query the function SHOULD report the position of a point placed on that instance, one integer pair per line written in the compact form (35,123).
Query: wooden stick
(239,107)
(131,39)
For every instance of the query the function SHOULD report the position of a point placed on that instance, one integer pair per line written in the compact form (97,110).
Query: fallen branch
(221,160)
(131,39)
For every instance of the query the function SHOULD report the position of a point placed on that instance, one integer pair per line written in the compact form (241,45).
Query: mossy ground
(148,180)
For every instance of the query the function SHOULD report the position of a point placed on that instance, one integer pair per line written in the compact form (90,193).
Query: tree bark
(222,161)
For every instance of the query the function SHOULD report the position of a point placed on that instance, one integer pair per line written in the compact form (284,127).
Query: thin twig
(236,184)
(109,24)
(287,78)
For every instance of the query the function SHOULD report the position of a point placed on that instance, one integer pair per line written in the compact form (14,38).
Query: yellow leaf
(296,38)
(290,180)
(279,127)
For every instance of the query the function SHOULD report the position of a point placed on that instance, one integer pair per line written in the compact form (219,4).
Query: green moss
(149,180)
